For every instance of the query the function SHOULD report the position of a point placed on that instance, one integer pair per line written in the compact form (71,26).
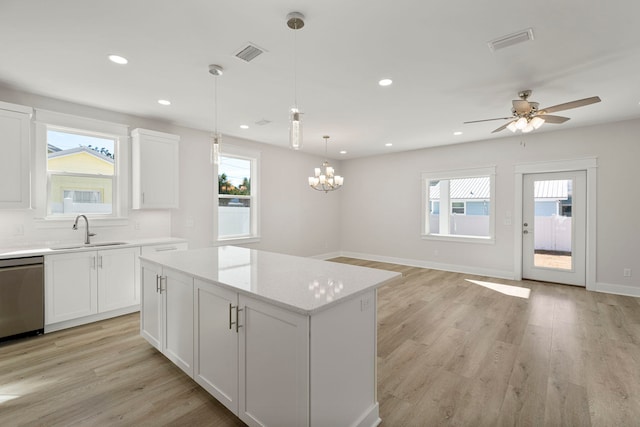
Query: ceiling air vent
(263,122)
(249,52)
(511,39)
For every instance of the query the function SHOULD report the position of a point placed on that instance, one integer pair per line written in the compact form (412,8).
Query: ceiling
(435,52)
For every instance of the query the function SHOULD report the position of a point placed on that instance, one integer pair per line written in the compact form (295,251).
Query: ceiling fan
(526,116)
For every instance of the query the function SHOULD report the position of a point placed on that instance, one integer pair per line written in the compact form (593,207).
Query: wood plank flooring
(450,352)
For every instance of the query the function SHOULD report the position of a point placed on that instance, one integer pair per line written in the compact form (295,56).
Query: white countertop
(305,285)
(44,249)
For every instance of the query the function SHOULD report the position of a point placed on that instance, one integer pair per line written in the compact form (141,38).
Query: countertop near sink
(65,247)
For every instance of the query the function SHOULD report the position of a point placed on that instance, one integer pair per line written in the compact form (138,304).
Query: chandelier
(216,137)
(324,178)
(295,21)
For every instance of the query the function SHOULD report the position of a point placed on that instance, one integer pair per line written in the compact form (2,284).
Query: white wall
(377,218)
(381,218)
(20,227)
(293,218)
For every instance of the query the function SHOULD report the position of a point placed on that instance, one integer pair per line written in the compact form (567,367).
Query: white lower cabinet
(85,283)
(251,356)
(71,286)
(167,314)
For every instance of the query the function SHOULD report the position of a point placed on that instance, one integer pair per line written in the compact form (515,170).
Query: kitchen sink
(90,245)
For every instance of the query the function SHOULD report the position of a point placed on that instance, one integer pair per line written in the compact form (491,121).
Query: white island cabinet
(279,340)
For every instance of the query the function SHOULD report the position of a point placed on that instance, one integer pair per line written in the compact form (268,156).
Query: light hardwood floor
(450,352)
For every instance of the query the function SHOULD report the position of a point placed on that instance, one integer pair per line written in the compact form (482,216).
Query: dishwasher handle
(17,262)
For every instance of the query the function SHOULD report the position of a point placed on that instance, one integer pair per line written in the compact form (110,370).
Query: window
(457,208)
(81,168)
(469,195)
(80,173)
(237,190)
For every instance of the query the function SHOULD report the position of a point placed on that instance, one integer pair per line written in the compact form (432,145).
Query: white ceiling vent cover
(249,52)
(511,39)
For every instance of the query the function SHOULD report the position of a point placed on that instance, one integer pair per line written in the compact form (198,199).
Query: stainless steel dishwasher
(21,297)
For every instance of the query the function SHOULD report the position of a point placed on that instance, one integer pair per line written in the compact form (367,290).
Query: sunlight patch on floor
(514,291)
(7,397)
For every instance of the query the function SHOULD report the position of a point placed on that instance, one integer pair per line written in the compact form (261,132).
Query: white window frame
(49,120)
(455,174)
(254,157)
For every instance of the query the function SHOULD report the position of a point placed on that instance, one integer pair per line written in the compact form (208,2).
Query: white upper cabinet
(155,164)
(15,142)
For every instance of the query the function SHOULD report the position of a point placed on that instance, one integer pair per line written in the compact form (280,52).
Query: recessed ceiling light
(457,133)
(244,127)
(118,59)
(388,144)
(164,102)
(385,82)
(343,152)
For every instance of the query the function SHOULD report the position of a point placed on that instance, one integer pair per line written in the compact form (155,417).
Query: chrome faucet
(87,234)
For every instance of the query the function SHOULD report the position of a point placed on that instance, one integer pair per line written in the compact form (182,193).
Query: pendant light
(295,21)
(216,137)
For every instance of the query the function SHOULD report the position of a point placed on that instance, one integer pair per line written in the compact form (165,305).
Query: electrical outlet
(365,304)
(18,230)
(189,223)
(136,225)
(626,272)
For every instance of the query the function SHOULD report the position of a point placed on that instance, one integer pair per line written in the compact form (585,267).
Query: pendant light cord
(215,104)
(295,67)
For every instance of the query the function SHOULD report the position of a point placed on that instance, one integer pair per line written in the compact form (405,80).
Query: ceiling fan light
(521,123)
(512,127)
(528,128)
(537,121)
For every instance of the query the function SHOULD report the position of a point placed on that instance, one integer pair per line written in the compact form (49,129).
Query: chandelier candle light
(216,137)
(295,21)
(324,178)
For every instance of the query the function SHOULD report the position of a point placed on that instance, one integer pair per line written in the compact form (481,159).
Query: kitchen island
(279,340)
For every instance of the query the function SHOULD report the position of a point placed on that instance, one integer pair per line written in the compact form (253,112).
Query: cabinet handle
(238,325)
(93,263)
(231,323)
(166,248)
(165,283)
(157,283)
(143,197)
(100,261)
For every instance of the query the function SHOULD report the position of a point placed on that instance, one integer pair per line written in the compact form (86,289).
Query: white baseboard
(326,256)
(371,418)
(90,319)
(609,288)
(455,268)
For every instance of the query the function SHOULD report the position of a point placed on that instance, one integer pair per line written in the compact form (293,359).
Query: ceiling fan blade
(488,120)
(553,119)
(503,127)
(572,104)
(521,106)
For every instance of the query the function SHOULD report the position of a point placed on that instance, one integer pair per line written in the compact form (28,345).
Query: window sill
(237,241)
(66,222)
(461,239)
